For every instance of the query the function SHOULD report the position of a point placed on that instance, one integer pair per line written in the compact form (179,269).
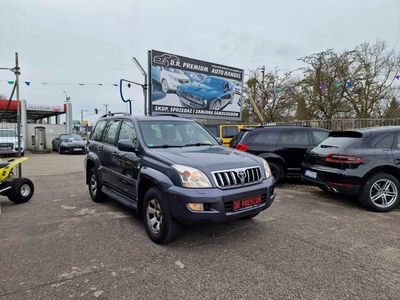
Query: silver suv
(9,142)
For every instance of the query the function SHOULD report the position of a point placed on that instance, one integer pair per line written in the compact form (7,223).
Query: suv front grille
(237,177)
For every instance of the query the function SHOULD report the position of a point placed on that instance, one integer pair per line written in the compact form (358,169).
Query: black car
(173,172)
(283,146)
(361,162)
(69,143)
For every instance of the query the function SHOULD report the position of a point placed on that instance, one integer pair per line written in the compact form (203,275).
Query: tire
(276,171)
(380,193)
(164,86)
(95,187)
(215,105)
(21,190)
(160,225)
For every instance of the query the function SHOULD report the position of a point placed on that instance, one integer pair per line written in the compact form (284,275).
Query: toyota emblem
(242,175)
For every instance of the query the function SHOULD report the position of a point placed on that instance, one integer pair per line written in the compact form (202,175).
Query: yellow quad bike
(17,190)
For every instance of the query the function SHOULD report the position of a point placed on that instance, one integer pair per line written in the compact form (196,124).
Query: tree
(322,88)
(271,95)
(356,83)
(373,72)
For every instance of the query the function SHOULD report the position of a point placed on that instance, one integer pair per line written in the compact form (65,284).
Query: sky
(92,42)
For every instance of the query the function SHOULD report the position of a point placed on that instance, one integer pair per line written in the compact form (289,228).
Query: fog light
(196,206)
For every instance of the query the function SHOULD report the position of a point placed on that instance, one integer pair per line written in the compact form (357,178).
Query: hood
(208,158)
(200,90)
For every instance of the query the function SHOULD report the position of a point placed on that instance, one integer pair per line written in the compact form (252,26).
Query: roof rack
(115,113)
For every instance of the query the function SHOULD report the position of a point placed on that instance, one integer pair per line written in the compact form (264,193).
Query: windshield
(159,134)
(7,133)
(72,137)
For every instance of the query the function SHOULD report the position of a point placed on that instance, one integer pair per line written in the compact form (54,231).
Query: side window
(319,136)
(387,141)
(268,137)
(213,130)
(127,131)
(110,132)
(301,137)
(98,130)
(229,131)
(288,137)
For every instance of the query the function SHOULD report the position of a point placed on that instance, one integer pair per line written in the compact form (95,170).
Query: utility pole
(263,87)
(106,105)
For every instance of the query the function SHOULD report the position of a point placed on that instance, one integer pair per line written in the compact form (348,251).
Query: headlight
(192,178)
(266,168)
(63,144)
(173,78)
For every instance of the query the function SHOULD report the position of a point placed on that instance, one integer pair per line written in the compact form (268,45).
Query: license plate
(78,149)
(310,174)
(246,203)
(187,102)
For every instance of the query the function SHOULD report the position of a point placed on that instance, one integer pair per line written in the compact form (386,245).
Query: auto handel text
(194,111)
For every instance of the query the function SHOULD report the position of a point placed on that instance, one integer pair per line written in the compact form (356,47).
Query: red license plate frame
(246,203)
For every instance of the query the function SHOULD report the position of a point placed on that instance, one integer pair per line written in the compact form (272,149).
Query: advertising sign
(194,88)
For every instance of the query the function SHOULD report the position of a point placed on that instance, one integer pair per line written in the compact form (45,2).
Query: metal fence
(343,124)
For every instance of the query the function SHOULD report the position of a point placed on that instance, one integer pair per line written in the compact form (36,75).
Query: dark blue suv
(173,172)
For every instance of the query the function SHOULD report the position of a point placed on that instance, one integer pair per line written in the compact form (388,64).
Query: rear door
(291,146)
(106,148)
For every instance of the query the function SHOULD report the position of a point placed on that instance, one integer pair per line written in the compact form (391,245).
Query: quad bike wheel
(21,190)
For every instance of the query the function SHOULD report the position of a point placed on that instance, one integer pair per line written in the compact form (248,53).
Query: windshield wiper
(198,144)
(328,146)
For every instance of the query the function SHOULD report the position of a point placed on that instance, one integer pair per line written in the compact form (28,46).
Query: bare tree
(322,88)
(372,73)
(271,94)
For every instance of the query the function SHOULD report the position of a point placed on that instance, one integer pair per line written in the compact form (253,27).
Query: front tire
(380,193)
(95,187)
(215,105)
(160,226)
(276,171)
(164,86)
(21,190)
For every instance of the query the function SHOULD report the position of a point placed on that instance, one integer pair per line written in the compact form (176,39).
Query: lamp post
(82,110)
(143,86)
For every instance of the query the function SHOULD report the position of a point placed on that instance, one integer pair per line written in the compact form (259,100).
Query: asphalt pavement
(307,245)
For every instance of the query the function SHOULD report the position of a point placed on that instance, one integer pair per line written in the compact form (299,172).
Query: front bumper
(217,202)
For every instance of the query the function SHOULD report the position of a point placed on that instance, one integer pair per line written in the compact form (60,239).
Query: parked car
(213,93)
(227,131)
(282,146)
(361,162)
(168,78)
(9,143)
(173,172)
(69,143)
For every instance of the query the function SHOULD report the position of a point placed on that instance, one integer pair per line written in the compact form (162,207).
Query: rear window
(338,142)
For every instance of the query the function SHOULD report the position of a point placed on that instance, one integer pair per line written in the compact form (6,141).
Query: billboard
(194,88)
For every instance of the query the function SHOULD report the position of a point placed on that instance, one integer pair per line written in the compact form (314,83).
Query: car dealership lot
(307,245)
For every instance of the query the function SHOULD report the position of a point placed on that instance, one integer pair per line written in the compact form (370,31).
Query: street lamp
(67,99)
(145,83)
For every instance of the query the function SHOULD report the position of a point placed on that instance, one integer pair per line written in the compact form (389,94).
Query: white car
(169,78)
(9,142)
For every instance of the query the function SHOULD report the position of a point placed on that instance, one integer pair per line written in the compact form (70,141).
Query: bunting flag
(397,77)
(28,83)
(323,86)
